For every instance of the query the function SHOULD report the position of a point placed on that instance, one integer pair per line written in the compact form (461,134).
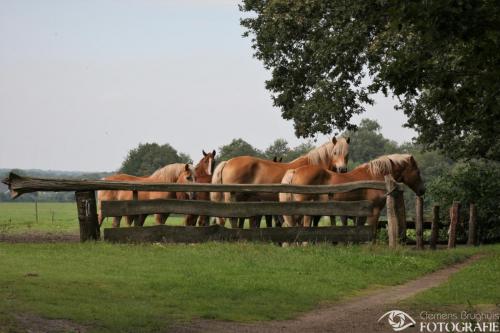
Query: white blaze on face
(209,169)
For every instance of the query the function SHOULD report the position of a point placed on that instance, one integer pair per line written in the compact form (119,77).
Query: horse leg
(373,222)
(269,221)
(360,221)
(315,220)
(333,220)
(343,220)
(116,221)
(307,221)
(129,219)
(158,219)
(190,220)
(255,221)
(220,221)
(278,220)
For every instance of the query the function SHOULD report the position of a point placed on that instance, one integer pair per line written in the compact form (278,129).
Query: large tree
(148,157)
(440,58)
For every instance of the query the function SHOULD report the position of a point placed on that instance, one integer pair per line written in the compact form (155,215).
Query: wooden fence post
(472,239)
(454,218)
(434,227)
(419,222)
(87,215)
(396,216)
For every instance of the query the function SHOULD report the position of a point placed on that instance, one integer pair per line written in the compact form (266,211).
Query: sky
(83,82)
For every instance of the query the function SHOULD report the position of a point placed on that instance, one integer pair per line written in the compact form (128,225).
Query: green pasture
(53,217)
(134,288)
(475,285)
(147,288)
(59,217)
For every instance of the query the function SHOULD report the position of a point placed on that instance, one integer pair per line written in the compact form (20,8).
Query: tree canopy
(238,147)
(440,58)
(368,143)
(148,157)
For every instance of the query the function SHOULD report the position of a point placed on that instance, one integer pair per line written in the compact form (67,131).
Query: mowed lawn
(146,288)
(475,285)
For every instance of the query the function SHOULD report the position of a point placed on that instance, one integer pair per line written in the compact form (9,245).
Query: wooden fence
(89,227)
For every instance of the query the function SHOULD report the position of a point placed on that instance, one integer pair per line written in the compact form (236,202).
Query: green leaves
(148,157)
(441,58)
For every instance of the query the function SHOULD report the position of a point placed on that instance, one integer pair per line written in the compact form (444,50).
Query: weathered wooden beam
(454,218)
(396,216)
(419,222)
(163,233)
(235,209)
(19,185)
(87,215)
(472,234)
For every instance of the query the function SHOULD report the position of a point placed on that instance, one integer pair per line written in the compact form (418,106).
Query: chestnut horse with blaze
(332,155)
(402,167)
(172,173)
(203,173)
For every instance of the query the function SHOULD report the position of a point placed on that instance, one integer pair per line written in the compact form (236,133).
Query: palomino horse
(402,167)
(172,173)
(332,155)
(255,221)
(203,173)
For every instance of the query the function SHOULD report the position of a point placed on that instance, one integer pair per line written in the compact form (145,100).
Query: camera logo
(399,320)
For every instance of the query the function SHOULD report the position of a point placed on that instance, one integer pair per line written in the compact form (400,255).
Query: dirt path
(358,314)
(40,237)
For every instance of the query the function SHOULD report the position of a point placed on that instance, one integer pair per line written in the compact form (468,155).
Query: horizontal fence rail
(172,234)
(19,185)
(235,209)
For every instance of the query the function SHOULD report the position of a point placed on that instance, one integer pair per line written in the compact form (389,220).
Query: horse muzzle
(342,169)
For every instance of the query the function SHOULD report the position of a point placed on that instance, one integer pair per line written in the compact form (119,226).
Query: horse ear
(348,139)
(186,167)
(203,151)
(334,140)
(213,153)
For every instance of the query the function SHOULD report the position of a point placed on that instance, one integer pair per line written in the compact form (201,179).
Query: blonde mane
(170,173)
(324,153)
(382,165)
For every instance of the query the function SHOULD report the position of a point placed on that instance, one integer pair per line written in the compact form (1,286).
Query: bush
(472,182)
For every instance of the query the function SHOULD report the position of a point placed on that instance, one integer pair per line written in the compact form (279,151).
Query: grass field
(131,288)
(477,284)
(53,217)
(127,288)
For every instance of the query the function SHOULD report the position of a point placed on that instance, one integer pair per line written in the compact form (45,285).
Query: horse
(172,173)
(332,155)
(402,167)
(203,173)
(255,221)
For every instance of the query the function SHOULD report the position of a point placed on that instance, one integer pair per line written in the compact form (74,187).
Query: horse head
(186,176)
(340,154)
(406,171)
(206,165)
